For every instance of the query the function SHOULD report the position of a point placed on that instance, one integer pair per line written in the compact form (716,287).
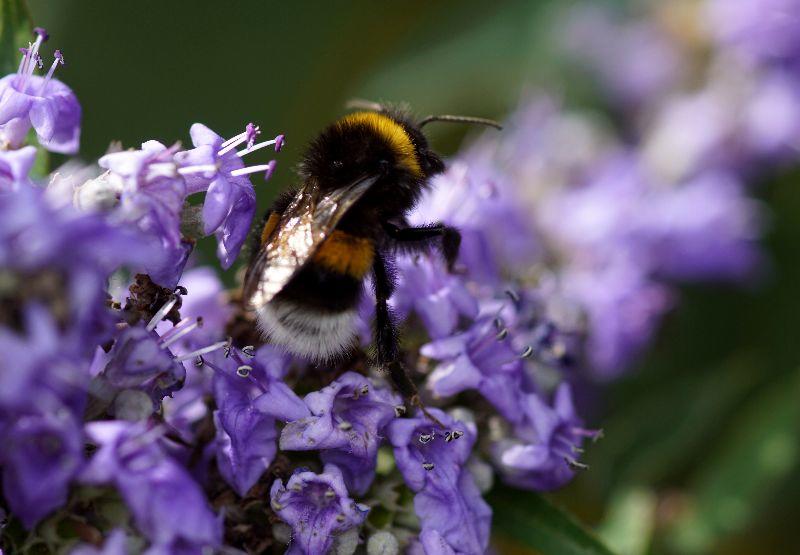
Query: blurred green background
(701,441)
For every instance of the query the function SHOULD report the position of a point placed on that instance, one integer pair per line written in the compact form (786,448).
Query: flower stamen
(199,352)
(277,141)
(161,314)
(58,59)
(266,168)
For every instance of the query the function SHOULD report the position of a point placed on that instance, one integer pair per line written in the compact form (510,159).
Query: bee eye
(384,165)
(337,164)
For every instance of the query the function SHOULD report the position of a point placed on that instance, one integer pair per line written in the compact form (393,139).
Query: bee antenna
(363,104)
(460,119)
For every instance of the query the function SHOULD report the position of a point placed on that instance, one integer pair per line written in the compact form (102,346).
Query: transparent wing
(306,222)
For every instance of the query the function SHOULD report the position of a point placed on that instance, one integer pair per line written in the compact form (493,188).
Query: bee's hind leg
(386,343)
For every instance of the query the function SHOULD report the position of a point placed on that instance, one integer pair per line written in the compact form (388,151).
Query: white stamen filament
(161,314)
(31,66)
(251,169)
(256,147)
(48,76)
(239,140)
(202,351)
(23,62)
(234,138)
(180,333)
(159,169)
(200,168)
(176,328)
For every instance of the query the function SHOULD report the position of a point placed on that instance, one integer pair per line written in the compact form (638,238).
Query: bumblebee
(359,179)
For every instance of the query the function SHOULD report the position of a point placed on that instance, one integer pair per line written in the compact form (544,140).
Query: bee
(359,179)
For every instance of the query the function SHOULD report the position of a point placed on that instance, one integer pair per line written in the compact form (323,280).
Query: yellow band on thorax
(392,132)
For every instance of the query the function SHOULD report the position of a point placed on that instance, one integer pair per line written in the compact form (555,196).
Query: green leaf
(759,452)
(628,528)
(15,32)
(531,520)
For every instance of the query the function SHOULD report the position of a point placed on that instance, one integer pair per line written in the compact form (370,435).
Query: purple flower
(216,167)
(759,29)
(436,296)
(346,421)
(635,62)
(142,359)
(43,369)
(622,308)
(14,168)
(55,313)
(151,196)
(718,242)
(207,299)
(45,103)
(91,241)
(41,454)
(168,506)
(626,233)
(481,358)
(543,453)
(250,397)
(771,118)
(432,461)
(317,507)
(477,198)
(431,542)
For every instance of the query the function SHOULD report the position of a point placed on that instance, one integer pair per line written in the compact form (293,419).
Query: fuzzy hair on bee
(359,178)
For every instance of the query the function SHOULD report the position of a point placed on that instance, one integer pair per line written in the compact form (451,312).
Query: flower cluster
(139,412)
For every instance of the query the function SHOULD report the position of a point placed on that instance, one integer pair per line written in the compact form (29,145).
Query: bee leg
(415,239)
(386,343)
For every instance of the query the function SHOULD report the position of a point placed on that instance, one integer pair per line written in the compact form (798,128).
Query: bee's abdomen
(314,315)
(346,254)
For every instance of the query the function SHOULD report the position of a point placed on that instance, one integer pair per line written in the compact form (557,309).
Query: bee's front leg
(439,236)
(386,341)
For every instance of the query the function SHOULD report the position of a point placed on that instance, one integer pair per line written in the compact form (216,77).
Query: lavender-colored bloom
(626,233)
(543,453)
(152,196)
(432,461)
(438,297)
(475,197)
(622,309)
(635,62)
(250,397)
(142,359)
(205,300)
(216,167)
(716,242)
(43,369)
(317,507)
(346,422)
(771,117)
(41,454)
(56,311)
(431,542)
(759,29)
(90,240)
(45,103)
(481,358)
(14,168)
(168,506)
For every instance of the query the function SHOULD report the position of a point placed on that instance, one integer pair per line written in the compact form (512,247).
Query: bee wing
(306,222)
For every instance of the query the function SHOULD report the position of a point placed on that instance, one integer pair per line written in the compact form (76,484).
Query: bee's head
(378,142)
(371,143)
